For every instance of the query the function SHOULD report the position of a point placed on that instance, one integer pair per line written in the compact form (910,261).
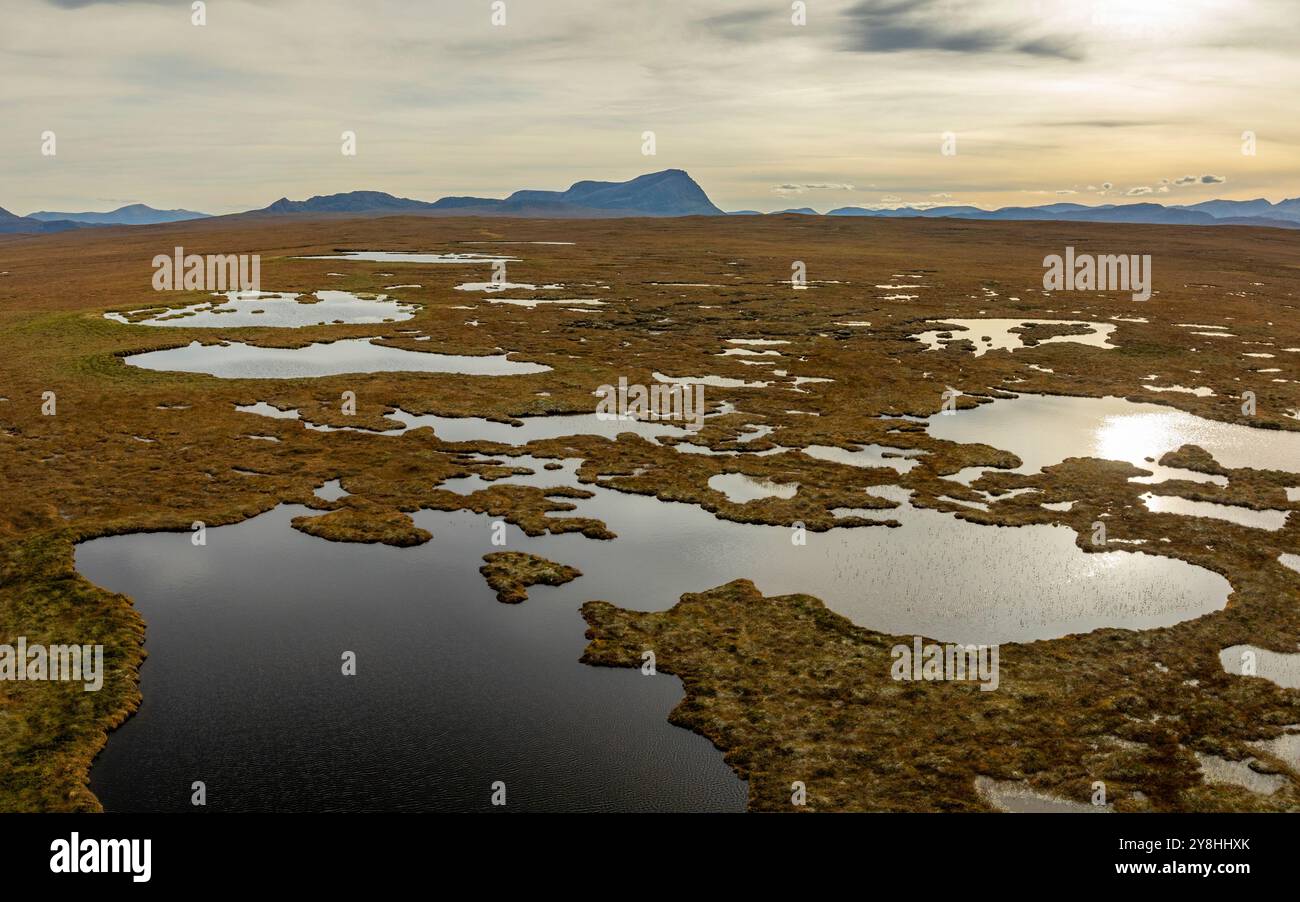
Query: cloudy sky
(1048,100)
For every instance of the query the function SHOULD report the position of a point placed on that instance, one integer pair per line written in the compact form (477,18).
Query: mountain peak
(669,192)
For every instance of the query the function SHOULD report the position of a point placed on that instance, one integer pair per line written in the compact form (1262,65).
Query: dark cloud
(1058,47)
(892,26)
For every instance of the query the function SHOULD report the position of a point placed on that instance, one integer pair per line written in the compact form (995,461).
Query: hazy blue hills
(671,192)
(1284,214)
(11,223)
(132,214)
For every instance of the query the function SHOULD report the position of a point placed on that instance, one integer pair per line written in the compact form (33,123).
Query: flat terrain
(787,689)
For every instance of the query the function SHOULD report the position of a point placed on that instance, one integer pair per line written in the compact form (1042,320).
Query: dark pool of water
(243,687)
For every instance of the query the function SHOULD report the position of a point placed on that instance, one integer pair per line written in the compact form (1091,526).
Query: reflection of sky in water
(404,257)
(354,355)
(1002,338)
(1238,773)
(870,455)
(1019,798)
(936,576)
(1272,520)
(740,488)
(279,310)
(1283,669)
(466,429)
(1044,430)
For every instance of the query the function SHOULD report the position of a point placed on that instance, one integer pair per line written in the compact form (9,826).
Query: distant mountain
(671,192)
(1287,209)
(668,193)
(1284,214)
(460,203)
(352,202)
(132,214)
(802,211)
(1228,208)
(11,224)
(1145,213)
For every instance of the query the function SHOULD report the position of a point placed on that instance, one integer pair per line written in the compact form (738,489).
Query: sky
(1042,101)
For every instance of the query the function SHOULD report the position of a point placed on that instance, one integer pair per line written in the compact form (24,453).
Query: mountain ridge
(1284,214)
(12,223)
(667,193)
(131,214)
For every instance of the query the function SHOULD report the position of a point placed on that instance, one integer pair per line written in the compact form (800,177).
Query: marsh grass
(82,473)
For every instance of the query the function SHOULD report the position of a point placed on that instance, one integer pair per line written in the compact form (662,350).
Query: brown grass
(85,473)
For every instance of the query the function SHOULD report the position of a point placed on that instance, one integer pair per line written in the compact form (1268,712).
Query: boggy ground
(787,689)
(510,573)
